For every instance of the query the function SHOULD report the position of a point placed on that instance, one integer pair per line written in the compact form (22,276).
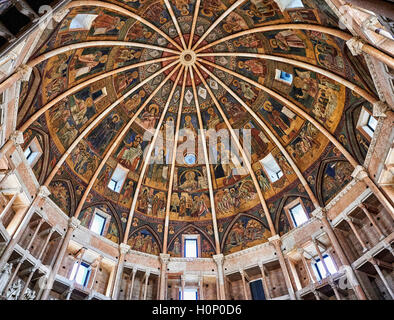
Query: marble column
(134,272)
(164,259)
(43,192)
(32,271)
(11,279)
(80,257)
(219,260)
(315,242)
(309,272)
(201,287)
(350,274)
(96,265)
(244,284)
(146,284)
(72,225)
(349,220)
(69,292)
(316,294)
(372,220)
(42,220)
(265,281)
(334,287)
(8,205)
(382,277)
(182,287)
(45,245)
(123,249)
(276,242)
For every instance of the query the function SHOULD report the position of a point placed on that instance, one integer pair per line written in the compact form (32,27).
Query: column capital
(24,71)
(355,45)
(218,258)
(368,257)
(124,248)
(164,258)
(320,213)
(74,223)
(379,109)
(371,22)
(300,251)
(361,205)
(275,239)
(43,192)
(17,137)
(359,173)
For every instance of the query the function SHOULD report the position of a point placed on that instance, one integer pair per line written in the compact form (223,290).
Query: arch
(230,226)
(320,176)
(279,209)
(198,229)
(113,214)
(366,48)
(124,11)
(351,130)
(71,193)
(45,153)
(364,93)
(27,102)
(153,232)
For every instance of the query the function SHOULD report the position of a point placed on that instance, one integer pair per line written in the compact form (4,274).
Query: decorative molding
(43,192)
(74,223)
(359,173)
(124,248)
(24,71)
(219,259)
(17,137)
(164,258)
(379,109)
(355,46)
(320,213)
(374,74)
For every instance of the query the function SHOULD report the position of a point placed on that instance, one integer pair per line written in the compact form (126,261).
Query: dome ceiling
(152,82)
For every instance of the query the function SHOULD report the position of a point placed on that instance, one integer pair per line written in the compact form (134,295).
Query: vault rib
(240,148)
(75,89)
(173,162)
(98,119)
(101,43)
(206,158)
(270,134)
(366,48)
(34,62)
(118,140)
(364,93)
(149,153)
(193,28)
(125,12)
(218,20)
(378,193)
(176,24)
